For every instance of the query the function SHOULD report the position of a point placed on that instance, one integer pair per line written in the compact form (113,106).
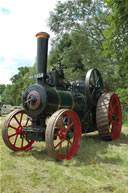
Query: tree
(79,27)
(12,94)
(76,52)
(2,88)
(6,96)
(116,47)
(115,44)
(80,15)
(83,16)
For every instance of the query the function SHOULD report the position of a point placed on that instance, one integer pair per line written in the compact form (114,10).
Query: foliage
(80,15)
(12,94)
(76,51)
(79,27)
(85,17)
(2,88)
(115,44)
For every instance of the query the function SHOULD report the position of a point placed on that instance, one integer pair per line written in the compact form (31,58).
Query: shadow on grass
(122,140)
(35,151)
(92,151)
(31,152)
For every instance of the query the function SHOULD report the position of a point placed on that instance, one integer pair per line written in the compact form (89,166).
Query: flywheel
(94,86)
(109,116)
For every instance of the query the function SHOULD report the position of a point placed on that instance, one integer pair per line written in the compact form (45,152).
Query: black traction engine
(58,112)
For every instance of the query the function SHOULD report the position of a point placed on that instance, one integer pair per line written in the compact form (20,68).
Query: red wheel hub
(62,134)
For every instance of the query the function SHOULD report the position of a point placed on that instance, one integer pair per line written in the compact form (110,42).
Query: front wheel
(63,134)
(12,131)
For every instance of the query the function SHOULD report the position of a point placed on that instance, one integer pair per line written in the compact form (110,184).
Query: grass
(98,167)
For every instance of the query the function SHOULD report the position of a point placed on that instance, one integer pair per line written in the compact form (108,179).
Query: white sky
(20,20)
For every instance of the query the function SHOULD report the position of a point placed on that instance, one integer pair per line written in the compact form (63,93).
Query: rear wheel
(109,116)
(12,131)
(63,134)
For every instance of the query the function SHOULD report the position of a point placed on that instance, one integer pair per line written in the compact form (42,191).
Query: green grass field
(98,167)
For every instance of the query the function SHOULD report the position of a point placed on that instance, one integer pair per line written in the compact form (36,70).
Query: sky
(20,21)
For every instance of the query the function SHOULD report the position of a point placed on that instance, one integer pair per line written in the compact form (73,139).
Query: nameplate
(36,76)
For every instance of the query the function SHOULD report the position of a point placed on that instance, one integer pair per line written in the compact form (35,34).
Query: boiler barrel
(71,100)
(46,100)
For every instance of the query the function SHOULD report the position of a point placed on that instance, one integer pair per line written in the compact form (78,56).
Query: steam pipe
(42,52)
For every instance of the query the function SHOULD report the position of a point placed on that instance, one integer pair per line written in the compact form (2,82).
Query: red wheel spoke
(28,141)
(22,141)
(15,140)
(56,135)
(70,125)
(17,120)
(21,118)
(27,122)
(69,141)
(59,126)
(59,143)
(60,148)
(68,120)
(12,135)
(12,126)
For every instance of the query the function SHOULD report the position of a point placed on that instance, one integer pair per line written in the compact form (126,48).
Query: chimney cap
(42,35)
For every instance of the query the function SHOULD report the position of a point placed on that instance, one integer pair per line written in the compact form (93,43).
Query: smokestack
(42,52)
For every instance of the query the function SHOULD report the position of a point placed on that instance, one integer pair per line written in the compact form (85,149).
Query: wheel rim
(63,134)
(115,117)
(93,86)
(12,132)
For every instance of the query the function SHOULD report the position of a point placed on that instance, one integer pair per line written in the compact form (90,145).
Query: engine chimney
(42,51)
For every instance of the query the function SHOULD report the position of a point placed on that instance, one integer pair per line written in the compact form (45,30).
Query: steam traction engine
(58,112)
